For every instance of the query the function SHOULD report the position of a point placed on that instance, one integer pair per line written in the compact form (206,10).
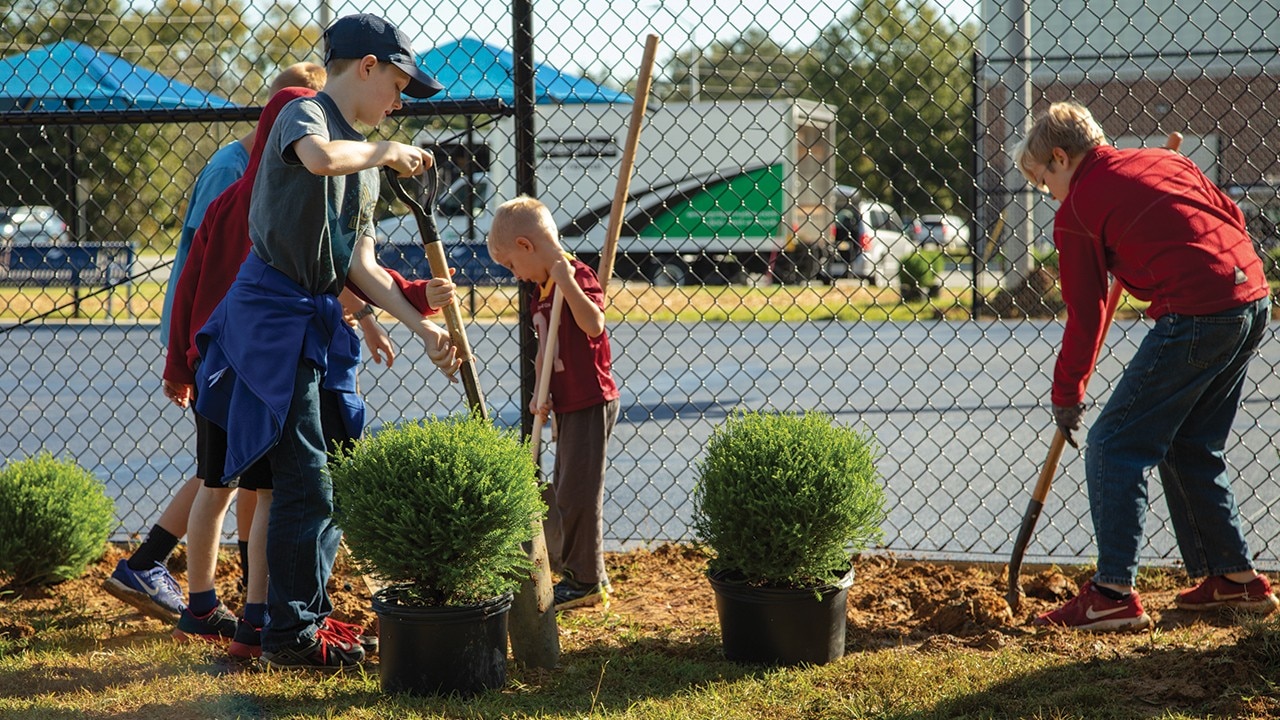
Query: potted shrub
(784,501)
(438,509)
(55,518)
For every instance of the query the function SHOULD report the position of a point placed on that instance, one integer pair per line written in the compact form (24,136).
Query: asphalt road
(959,408)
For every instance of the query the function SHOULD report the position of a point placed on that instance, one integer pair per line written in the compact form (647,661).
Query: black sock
(1110,594)
(244,562)
(155,549)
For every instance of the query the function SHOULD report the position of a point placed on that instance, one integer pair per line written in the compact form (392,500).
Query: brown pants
(575,498)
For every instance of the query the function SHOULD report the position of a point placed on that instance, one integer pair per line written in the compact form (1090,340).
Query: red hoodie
(1164,230)
(219,248)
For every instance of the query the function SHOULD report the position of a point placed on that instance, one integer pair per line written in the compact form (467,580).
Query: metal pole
(468,174)
(326,14)
(1021,230)
(979,203)
(526,184)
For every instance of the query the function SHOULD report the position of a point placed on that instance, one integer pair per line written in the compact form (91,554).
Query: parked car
(945,231)
(28,225)
(870,235)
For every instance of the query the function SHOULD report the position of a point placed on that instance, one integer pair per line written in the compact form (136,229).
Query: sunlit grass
(612,667)
(845,301)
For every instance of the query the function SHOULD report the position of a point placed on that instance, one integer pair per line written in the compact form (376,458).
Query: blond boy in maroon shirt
(584,396)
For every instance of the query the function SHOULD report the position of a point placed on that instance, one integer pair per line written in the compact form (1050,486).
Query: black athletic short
(211,458)
(211,448)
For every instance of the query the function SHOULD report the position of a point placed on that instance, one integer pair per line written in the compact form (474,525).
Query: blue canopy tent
(70,77)
(471,69)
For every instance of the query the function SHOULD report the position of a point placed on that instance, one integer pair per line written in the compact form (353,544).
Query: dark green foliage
(786,499)
(54,520)
(1271,264)
(439,508)
(921,269)
(899,74)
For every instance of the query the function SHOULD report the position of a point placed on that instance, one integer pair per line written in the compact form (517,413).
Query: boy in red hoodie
(142,580)
(1150,218)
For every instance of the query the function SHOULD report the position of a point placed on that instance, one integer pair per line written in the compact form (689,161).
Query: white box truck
(719,190)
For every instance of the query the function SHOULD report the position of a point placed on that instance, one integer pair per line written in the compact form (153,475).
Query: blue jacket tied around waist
(249,354)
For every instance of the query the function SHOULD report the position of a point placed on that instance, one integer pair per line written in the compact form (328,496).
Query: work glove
(1067,418)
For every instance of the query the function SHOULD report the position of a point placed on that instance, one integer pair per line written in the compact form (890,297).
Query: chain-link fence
(823,216)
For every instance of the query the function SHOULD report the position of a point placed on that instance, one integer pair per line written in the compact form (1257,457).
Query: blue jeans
(1173,409)
(302,541)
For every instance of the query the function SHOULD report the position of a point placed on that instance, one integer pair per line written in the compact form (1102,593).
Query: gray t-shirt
(305,225)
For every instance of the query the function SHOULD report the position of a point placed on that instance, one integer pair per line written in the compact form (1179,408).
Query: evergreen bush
(55,518)
(785,499)
(1271,264)
(919,271)
(439,509)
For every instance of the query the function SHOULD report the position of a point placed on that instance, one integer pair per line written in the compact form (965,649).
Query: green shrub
(55,518)
(787,499)
(1271,264)
(921,269)
(439,509)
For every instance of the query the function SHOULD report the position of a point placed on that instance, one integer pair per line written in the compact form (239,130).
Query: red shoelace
(345,631)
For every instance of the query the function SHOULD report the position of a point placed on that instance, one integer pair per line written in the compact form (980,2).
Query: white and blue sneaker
(152,591)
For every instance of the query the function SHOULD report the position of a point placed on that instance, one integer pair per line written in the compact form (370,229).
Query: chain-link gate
(823,216)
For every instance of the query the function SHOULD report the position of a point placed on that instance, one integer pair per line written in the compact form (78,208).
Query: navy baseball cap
(354,36)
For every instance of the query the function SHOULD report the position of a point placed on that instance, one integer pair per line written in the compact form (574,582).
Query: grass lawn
(628,302)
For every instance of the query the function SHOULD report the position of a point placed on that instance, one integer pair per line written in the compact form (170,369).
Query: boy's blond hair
(337,66)
(1066,125)
(522,215)
(303,75)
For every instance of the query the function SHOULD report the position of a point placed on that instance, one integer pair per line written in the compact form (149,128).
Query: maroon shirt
(583,375)
(1164,230)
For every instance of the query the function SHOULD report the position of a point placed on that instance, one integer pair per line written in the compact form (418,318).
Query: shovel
(1047,472)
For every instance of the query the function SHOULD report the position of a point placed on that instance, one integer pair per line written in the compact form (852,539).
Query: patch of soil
(664,590)
(662,594)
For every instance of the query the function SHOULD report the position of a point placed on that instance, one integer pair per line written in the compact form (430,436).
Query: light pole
(1021,229)
(695,65)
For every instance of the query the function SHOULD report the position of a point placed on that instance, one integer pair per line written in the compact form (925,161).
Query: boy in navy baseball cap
(311,234)
(355,36)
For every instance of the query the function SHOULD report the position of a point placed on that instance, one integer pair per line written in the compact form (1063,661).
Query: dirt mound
(1037,296)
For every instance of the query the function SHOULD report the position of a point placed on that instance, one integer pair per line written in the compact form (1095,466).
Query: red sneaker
(1217,591)
(1091,610)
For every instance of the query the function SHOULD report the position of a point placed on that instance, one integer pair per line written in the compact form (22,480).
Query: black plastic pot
(786,626)
(441,650)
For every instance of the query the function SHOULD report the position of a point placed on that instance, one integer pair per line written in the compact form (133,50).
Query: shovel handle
(439,263)
(543,391)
